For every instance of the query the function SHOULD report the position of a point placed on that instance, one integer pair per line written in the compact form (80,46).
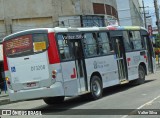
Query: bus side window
(63,48)
(40,39)
(90,44)
(143,43)
(104,43)
(128,45)
(136,40)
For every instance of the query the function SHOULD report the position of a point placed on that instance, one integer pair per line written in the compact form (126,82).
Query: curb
(6,95)
(5,101)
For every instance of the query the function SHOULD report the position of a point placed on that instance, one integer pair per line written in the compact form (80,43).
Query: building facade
(130,13)
(17,15)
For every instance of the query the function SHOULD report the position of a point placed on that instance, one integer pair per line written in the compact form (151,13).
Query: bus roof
(70,29)
(58,29)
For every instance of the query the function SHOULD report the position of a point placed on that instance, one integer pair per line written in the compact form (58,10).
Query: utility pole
(144,13)
(157,15)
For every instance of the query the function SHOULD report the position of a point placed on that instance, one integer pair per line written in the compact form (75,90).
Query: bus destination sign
(71,37)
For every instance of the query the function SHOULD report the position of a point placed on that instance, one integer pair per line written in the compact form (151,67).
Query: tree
(157,43)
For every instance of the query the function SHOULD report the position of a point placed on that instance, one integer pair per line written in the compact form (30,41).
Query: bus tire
(53,100)
(96,87)
(141,74)
(141,78)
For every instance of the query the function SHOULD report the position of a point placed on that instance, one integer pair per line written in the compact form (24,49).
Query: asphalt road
(146,96)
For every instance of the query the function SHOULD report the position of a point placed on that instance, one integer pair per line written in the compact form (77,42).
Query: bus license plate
(31,84)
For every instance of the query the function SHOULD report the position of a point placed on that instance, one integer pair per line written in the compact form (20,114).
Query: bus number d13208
(37,68)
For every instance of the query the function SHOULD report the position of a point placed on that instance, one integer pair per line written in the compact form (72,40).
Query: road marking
(144,94)
(148,103)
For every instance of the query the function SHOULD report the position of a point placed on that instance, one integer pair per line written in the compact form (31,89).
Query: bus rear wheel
(141,73)
(141,76)
(96,88)
(54,100)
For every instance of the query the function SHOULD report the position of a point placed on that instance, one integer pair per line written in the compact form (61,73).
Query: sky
(149,4)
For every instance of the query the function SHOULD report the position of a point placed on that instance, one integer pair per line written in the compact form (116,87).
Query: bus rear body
(29,65)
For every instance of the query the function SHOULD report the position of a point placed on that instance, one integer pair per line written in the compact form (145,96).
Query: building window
(89,21)
(105,9)
(98,8)
(111,11)
(108,10)
(114,12)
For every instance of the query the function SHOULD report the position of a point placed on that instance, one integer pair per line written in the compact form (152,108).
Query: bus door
(120,56)
(77,49)
(150,54)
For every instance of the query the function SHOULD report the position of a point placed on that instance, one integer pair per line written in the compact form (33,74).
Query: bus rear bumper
(55,90)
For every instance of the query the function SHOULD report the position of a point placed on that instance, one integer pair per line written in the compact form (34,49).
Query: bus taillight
(54,76)
(145,57)
(5,60)
(8,81)
(54,73)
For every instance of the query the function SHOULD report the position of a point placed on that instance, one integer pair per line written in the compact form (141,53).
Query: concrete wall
(16,15)
(2,28)
(136,13)
(129,12)
(69,21)
(28,23)
(24,14)
(124,13)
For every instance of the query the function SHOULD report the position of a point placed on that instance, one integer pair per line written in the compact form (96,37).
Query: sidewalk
(4,98)
(158,67)
(3,94)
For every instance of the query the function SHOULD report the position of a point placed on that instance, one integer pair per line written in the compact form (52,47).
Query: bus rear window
(40,42)
(18,45)
(26,45)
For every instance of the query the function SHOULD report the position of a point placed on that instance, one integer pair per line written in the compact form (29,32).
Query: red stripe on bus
(73,76)
(53,50)
(145,57)
(112,28)
(5,64)
(128,60)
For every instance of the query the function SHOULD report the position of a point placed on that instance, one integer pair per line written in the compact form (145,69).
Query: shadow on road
(71,103)
(120,88)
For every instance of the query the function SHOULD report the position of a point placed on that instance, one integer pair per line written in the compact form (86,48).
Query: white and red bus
(53,63)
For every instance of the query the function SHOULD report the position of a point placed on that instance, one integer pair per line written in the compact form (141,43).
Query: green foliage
(157,51)
(157,45)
